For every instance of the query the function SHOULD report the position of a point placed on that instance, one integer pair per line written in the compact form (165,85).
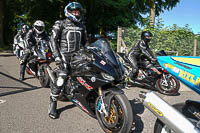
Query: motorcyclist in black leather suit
(32,38)
(140,48)
(21,33)
(68,36)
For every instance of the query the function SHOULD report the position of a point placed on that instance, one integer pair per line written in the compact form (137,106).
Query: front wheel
(120,115)
(167,85)
(43,75)
(160,127)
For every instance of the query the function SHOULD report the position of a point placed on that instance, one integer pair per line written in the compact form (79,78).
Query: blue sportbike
(181,117)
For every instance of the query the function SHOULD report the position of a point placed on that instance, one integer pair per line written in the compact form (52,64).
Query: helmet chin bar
(72,17)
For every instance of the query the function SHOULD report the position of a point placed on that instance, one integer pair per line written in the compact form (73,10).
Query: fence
(173,42)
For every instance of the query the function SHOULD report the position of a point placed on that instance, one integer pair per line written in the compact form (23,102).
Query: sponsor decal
(83,82)
(103,62)
(189,77)
(93,79)
(155,109)
(184,74)
(77,102)
(173,68)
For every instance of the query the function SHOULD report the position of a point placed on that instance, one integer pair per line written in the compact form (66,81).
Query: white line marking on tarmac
(2,101)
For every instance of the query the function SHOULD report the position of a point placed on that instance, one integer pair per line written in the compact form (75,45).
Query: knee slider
(60,81)
(61,78)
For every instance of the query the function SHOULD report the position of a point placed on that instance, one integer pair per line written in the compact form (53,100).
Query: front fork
(101,105)
(165,80)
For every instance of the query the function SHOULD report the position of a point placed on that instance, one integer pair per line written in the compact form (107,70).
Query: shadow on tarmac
(60,110)
(22,89)
(6,55)
(138,108)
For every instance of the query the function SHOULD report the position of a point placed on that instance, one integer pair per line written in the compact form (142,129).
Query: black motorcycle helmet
(146,36)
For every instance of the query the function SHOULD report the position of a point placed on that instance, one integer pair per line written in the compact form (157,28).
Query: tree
(28,11)
(153,8)
(1,22)
(152,13)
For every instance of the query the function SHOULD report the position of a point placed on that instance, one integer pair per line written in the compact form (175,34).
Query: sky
(185,12)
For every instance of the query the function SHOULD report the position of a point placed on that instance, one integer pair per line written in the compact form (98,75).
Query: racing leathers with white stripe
(67,37)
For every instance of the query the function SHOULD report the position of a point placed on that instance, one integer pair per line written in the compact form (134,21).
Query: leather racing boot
(22,72)
(52,111)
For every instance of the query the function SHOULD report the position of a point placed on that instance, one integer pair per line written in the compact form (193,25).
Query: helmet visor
(76,13)
(39,28)
(148,37)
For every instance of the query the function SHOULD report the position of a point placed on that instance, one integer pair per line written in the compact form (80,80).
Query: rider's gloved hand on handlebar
(58,60)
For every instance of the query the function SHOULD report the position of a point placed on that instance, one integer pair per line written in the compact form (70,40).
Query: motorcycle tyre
(44,80)
(127,111)
(169,93)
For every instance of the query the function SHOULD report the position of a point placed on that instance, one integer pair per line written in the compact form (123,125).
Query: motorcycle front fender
(116,90)
(193,102)
(110,93)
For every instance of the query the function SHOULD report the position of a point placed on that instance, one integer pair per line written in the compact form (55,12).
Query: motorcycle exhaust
(167,114)
(51,75)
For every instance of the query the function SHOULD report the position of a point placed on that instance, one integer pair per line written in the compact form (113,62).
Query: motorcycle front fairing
(41,50)
(104,69)
(106,59)
(184,68)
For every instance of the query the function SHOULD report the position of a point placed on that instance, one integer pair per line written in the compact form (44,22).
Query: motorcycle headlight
(107,76)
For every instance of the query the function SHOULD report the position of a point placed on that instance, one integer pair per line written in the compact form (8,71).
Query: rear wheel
(168,85)
(43,75)
(120,115)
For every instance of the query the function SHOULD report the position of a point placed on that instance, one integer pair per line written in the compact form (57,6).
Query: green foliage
(104,15)
(28,11)
(172,38)
(108,14)
(114,44)
(131,36)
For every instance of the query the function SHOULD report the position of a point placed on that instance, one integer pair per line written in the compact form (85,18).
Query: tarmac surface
(24,106)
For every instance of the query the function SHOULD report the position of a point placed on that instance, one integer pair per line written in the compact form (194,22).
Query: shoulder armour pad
(57,24)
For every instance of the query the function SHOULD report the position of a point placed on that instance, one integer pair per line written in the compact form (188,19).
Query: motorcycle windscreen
(41,51)
(104,47)
(184,68)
